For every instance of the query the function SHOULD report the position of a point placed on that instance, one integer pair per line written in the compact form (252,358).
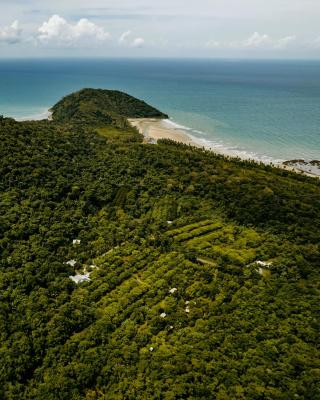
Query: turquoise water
(268,110)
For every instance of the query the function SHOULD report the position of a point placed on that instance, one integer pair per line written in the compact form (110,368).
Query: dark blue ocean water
(264,109)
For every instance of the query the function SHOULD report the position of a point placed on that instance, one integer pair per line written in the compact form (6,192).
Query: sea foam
(218,146)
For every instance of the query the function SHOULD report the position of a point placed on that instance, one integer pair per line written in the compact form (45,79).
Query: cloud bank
(11,34)
(255,41)
(57,31)
(127,40)
(169,28)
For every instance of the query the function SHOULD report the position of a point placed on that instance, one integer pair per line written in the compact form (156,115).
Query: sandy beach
(154,129)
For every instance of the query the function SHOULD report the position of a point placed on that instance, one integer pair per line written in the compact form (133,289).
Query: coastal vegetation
(97,107)
(204,270)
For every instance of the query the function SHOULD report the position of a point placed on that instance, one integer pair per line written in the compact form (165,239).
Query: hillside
(204,271)
(102,107)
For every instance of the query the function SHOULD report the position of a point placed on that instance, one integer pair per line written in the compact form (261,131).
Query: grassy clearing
(116,135)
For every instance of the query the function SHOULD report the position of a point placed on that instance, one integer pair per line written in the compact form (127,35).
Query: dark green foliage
(102,107)
(251,330)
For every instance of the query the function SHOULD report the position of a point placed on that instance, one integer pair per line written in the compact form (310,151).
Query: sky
(161,28)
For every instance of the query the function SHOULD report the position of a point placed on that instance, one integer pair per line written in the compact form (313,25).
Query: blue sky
(166,28)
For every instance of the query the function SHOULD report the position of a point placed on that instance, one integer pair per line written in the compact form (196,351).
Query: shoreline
(154,129)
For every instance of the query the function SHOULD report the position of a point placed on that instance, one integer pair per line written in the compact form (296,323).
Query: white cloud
(213,44)
(284,42)
(59,32)
(11,34)
(138,42)
(255,41)
(127,40)
(124,37)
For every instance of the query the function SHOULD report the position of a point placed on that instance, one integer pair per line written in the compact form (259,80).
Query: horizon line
(189,58)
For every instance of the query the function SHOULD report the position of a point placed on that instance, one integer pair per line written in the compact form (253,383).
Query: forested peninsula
(132,270)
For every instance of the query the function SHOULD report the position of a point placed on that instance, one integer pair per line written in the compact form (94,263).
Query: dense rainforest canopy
(203,270)
(102,107)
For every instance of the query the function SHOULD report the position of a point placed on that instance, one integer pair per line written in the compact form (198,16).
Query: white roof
(80,278)
(263,263)
(71,262)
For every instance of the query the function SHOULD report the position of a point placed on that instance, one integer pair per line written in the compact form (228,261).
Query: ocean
(265,110)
